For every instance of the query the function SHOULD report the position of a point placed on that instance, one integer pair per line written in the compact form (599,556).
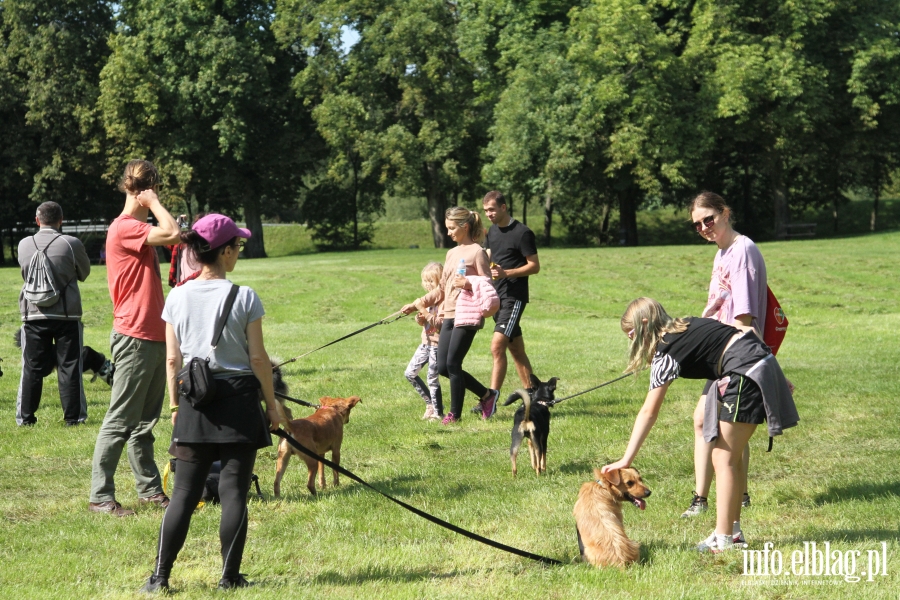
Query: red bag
(776,322)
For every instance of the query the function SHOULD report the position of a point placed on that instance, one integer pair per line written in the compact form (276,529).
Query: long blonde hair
(462,216)
(431,275)
(650,323)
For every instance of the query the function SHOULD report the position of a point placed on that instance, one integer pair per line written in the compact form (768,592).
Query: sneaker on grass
(698,505)
(489,406)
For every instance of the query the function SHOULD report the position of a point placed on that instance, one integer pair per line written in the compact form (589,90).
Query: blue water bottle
(461,270)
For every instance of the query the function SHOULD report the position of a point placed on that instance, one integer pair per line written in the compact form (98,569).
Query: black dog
(91,360)
(532,422)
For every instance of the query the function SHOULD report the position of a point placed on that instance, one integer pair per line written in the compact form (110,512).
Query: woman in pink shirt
(465,228)
(737,296)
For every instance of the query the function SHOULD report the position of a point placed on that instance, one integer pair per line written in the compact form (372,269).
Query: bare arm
(532,266)
(262,368)
(167,232)
(174,360)
(744,323)
(642,425)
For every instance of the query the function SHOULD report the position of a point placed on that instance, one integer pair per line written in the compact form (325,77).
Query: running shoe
(698,505)
(489,406)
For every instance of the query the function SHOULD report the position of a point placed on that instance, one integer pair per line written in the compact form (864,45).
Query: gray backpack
(40,287)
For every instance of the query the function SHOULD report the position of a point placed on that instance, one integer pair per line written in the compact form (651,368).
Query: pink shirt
(477,263)
(738,284)
(135,285)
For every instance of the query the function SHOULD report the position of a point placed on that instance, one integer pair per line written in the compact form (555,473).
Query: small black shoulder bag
(195,380)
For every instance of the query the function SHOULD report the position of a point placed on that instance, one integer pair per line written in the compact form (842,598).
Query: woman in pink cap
(233,426)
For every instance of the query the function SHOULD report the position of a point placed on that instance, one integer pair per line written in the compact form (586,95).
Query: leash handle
(300,448)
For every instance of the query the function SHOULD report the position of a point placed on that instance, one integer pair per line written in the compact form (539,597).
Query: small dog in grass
(91,361)
(598,517)
(532,422)
(321,432)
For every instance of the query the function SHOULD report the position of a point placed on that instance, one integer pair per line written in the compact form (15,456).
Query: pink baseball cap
(218,230)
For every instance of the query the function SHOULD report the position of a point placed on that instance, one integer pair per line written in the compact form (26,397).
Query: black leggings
(453,346)
(194,461)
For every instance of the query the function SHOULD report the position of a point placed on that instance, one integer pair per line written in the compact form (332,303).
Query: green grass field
(833,479)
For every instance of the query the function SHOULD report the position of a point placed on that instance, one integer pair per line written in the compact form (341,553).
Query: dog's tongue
(639,502)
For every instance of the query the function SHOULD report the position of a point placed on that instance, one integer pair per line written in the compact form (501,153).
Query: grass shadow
(858,491)
(380,574)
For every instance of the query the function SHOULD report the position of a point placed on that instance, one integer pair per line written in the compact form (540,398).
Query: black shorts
(742,402)
(508,317)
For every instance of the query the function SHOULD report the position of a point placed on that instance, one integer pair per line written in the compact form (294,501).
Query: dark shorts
(508,317)
(742,402)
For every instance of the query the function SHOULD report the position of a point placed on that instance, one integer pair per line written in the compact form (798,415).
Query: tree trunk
(628,218)
(834,213)
(604,225)
(355,209)
(255,246)
(524,209)
(779,198)
(548,213)
(874,209)
(437,206)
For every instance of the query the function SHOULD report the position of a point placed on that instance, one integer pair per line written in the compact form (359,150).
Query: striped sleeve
(663,369)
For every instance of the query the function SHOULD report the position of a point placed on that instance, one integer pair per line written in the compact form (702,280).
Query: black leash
(388,319)
(596,387)
(296,445)
(301,402)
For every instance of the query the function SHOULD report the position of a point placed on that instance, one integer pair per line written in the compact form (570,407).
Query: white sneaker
(430,413)
(719,543)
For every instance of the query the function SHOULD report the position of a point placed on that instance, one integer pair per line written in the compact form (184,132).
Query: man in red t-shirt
(138,342)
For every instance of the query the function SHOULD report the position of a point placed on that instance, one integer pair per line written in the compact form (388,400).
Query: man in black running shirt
(511,247)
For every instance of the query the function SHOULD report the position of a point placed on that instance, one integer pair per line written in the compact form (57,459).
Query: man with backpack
(50,304)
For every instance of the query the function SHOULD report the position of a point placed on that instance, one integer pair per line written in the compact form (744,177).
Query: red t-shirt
(135,285)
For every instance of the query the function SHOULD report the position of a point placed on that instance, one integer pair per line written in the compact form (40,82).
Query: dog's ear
(353,401)
(535,382)
(614,477)
(551,383)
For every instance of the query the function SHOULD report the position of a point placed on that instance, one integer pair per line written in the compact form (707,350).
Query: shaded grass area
(834,478)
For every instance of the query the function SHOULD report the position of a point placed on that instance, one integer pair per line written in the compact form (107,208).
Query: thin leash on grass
(474,536)
(385,321)
(596,387)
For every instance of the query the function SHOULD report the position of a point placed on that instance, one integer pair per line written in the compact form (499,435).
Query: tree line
(317,110)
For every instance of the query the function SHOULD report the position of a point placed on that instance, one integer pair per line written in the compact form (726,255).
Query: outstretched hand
(619,464)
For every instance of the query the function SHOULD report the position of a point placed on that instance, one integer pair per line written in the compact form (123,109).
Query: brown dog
(321,432)
(598,517)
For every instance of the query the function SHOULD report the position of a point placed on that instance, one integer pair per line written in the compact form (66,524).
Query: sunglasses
(704,223)
(238,245)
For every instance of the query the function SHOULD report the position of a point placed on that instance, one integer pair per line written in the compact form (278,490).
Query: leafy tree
(51,140)
(643,112)
(414,128)
(203,89)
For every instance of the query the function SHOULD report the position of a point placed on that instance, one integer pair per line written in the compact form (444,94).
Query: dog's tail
(280,387)
(525,397)
(17,338)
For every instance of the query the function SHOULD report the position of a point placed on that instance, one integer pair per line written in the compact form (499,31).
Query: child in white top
(430,321)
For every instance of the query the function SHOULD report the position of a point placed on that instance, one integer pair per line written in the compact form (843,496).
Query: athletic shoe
(489,406)
(430,413)
(476,410)
(698,505)
(450,418)
(746,501)
(715,544)
(739,540)
(230,583)
(156,585)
